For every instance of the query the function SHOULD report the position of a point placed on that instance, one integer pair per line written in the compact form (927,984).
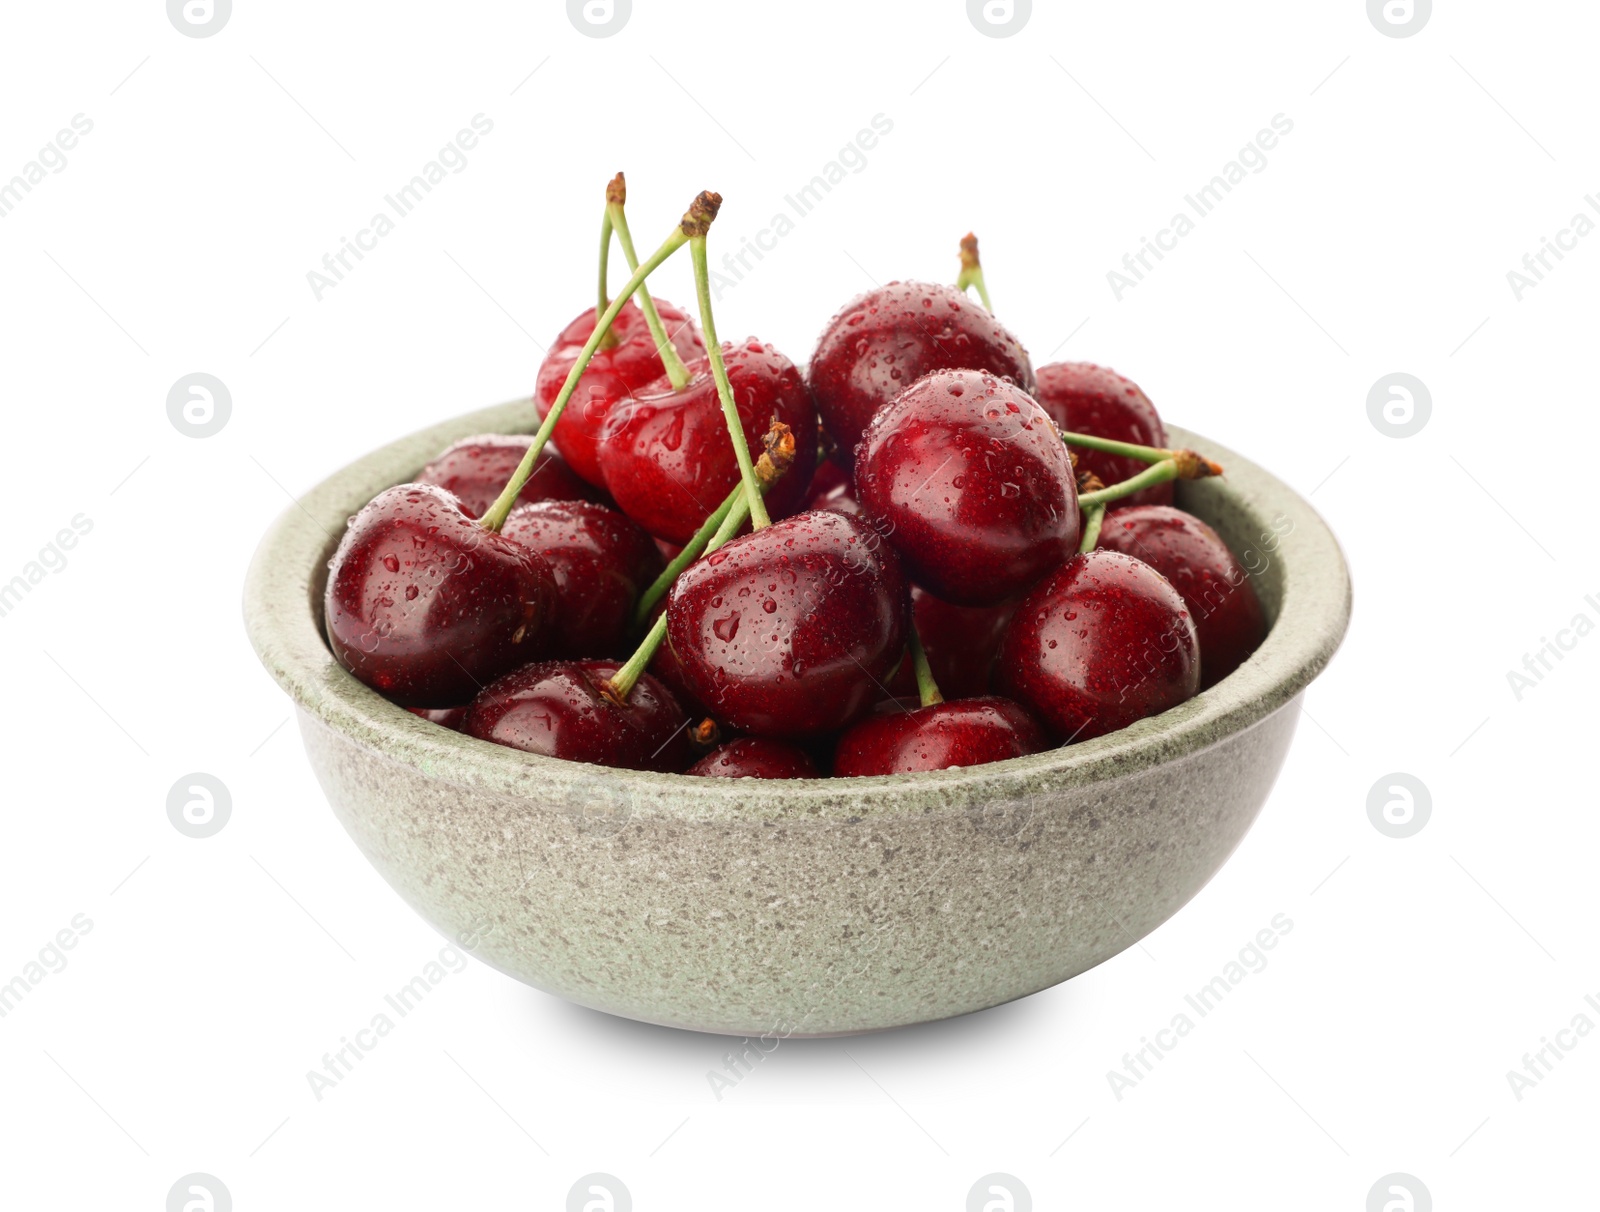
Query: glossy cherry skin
(1084,398)
(901,738)
(831,489)
(555,708)
(613,374)
(1222,602)
(751,757)
(426,606)
(1098,644)
(790,631)
(962,643)
(968,477)
(883,341)
(478,469)
(600,561)
(666,456)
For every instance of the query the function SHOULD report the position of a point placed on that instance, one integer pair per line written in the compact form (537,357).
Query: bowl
(803,907)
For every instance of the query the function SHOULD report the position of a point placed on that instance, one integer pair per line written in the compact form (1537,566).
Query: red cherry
(445,717)
(790,631)
(1084,398)
(750,757)
(968,478)
(902,738)
(1227,614)
(883,341)
(614,373)
(556,708)
(477,469)
(425,605)
(666,456)
(601,562)
(831,489)
(961,642)
(1098,644)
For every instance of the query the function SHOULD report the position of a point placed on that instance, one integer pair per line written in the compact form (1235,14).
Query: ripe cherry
(614,373)
(600,562)
(425,605)
(883,341)
(558,709)
(476,469)
(666,456)
(751,757)
(1098,644)
(1084,398)
(1216,588)
(901,738)
(790,631)
(831,489)
(962,643)
(968,477)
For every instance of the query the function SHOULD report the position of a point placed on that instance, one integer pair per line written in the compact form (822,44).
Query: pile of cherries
(952,558)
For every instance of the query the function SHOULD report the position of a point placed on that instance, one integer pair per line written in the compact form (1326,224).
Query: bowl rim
(282,623)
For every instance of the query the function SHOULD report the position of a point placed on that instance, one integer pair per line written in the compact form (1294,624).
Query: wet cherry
(901,738)
(1084,398)
(600,562)
(1098,644)
(425,605)
(968,478)
(556,708)
(790,631)
(883,341)
(831,489)
(751,757)
(476,469)
(1227,614)
(962,643)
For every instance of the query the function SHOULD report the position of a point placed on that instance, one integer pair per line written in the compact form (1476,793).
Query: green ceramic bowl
(810,907)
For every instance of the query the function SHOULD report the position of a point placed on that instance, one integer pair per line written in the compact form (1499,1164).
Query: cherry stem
(1163,471)
(603,300)
(927,688)
(496,515)
(971,271)
(1093,518)
(690,553)
(719,372)
(616,198)
(1191,464)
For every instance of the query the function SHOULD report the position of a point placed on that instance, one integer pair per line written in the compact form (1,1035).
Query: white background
(1377,239)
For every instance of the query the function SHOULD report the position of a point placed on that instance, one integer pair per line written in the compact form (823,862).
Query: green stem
(603,300)
(1145,454)
(927,688)
(495,518)
(741,449)
(1094,516)
(677,372)
(1163,471)
(690,553)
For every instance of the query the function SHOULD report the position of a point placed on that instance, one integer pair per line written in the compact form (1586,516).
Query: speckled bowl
(808,907)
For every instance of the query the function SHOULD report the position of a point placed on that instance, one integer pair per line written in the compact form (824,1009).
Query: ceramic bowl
(810,907)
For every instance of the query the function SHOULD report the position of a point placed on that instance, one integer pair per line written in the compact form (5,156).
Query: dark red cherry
(901,738)
(477,469)
(614,373)
(831,489)
(751,757)
(1085,398)
(961,642)
(556,708)
(1098,644)
(1222,602)
(790,631)
(445,717)
(666,456)
(883,341)
(967,476)
(426,606)
(601,562)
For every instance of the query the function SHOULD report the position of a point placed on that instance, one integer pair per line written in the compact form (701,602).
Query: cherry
(1083,397)
(426,605)
(560,709)
(962,643)
(751,757)
(614,373)
(883,341)
(600,562)
(790,631)
(667,458)
(1101,642)
(969,479)
(446,717)
(476,469)
(1227,614)
(831,489)
(901,738)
